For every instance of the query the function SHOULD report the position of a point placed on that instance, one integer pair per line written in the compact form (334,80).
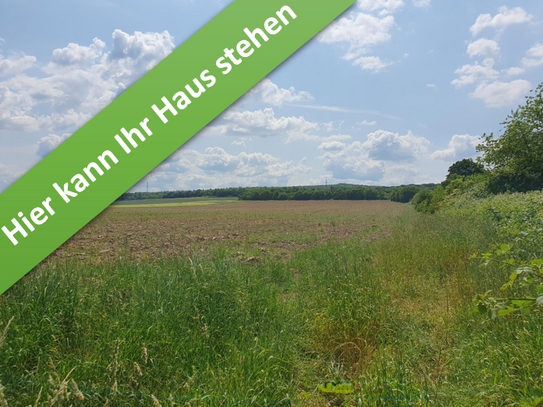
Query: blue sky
(393,92)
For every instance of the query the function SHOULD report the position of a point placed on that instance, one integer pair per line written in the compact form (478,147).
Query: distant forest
(402,193)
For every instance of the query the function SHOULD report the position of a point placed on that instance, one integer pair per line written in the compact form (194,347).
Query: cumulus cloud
(495,87)
(470,74)
(263,123)
(460,146)
(372,64)
(15,63)
(377,159)
(268,92)
(534,57)
(383,7)
(332,145)
(49,143)
(75,54)
(502,94)
(359,31)
(514,71)
(503,19)
(134,55)
(422,3)
(79,81)
(385,145)
(367,123)
(241,142)
(484,47)
(404,174)
(352,163)
(215,167)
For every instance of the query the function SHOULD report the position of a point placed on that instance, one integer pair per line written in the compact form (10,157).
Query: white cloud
(49,143)
(15,63)
(352,163)
(502,94)
(491,85)
(375,160)
(79,82)
(470,74)
(367,123)
(535,57)
(332,145)
(504,18)
(134,55)
(384,7)
(75,54)
(268,92)
(264,123)
(359,31)
(484,47)
(216,168)
(431,86)
(422,3)
(344,110)
(241,142)
(384,145)
(373,64)
(460,146)
(404,174)
(515,71)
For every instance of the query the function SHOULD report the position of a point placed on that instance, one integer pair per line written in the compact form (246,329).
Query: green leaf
(506,311)
(539,300)
(524,311)
(480,309)
(535,402)
(522,303)
(512,279)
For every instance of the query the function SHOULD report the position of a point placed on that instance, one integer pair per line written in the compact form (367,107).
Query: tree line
(401,194)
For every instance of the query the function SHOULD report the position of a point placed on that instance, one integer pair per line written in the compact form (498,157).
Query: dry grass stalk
(3,401)
(145,355)
(38,398)
(76,392)
(137,369)
(5,332)
(61,394)
(156,403)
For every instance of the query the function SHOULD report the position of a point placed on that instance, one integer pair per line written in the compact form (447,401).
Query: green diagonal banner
(148,122)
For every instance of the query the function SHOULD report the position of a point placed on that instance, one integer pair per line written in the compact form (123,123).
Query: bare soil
(248,230)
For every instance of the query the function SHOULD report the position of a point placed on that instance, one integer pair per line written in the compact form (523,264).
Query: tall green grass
(391,319)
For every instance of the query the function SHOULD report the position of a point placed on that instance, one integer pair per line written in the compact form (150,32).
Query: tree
(515,158)
(465,168)
(404,194)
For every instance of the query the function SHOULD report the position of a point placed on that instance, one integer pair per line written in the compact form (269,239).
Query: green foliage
(422,201)
(526,281)
(515,156)
(402,193)
(465,168)
(519,221)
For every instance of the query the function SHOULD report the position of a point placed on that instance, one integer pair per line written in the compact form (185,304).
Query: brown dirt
(249,230)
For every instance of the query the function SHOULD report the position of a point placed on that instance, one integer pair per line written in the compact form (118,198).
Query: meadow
(318,303)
